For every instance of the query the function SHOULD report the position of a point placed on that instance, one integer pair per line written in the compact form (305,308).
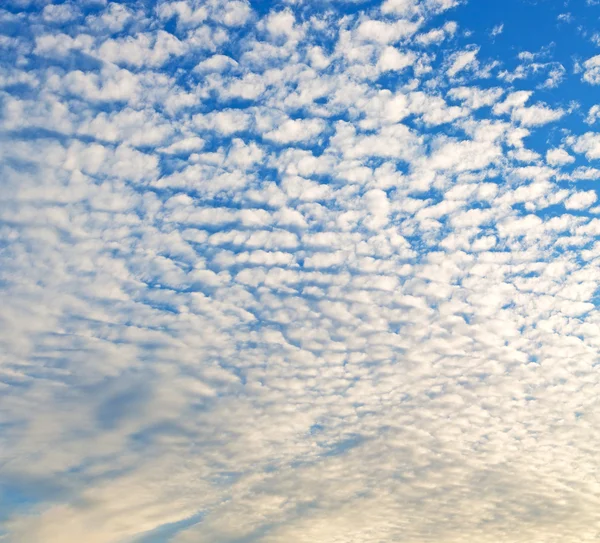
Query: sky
(299,271)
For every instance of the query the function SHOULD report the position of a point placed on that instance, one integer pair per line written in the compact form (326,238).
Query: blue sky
(299,271)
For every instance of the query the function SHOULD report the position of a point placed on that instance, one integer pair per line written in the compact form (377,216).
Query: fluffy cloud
(294,130)
(392,60)
(581,200)
(558,157)
(588,143)
(59,13)
(591,70)
(143,50)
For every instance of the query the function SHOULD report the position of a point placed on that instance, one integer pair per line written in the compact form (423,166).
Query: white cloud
(143,50)
(187,15)
(558,157)
(412,7)
(466,155)
(581,200)
(530,67)
(463,60)
(588,144)
(59,45)
(236,13)
(591,70)
(400,7)
(382,32)
(59,13)
(317,58)
(216,63)
(476,98)
(593,114)
(114,18)
(294,130)
(122,162)
(108,85)
(437,35)
(497,30)
(283,24)
(318,273)
(536,115)
(513,100)
(226,121)
(136,127)
(184,146)
(393,60)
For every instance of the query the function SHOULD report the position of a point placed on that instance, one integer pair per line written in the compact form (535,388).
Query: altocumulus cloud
(295,271)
